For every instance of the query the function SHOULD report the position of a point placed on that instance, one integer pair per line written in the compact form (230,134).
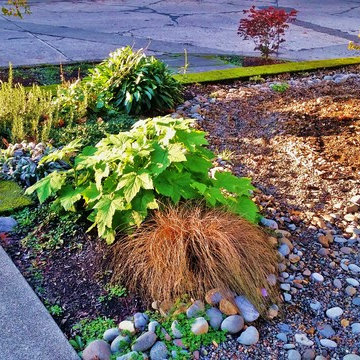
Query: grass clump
(189,250)
(11,197)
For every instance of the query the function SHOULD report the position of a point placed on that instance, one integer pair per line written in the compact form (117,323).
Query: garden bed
(301,148)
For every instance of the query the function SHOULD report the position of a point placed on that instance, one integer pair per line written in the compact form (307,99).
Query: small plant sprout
(257,79)
(226,155)
(54,310)
(183,69)
(113,292)
(280,87)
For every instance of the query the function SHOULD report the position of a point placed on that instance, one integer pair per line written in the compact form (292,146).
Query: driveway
(65,31)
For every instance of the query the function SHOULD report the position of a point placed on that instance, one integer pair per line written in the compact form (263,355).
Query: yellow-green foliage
(11,196)
(25,114)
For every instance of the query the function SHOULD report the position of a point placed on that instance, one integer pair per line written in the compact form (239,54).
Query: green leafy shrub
(25,114)
(72,101)
(54,310)
(133,82)
(189,339)
(127,174)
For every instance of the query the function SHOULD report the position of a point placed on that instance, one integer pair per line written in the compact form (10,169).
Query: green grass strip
(246,72)
(11,197)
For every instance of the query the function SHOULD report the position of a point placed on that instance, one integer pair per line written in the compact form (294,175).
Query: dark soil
(73,276)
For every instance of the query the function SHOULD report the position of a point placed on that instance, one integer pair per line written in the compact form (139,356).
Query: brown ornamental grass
(189,249)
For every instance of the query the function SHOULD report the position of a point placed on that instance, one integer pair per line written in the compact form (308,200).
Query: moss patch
(246,72)
(11,197)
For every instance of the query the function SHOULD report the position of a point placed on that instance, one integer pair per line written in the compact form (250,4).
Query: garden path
(65,31)
(27,331)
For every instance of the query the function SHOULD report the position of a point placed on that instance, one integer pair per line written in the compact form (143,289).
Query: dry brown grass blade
(189,249)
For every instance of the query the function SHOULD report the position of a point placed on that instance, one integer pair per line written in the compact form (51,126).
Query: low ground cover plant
(266,27)
(88,330)
(190,249)
(92,129)
(12,197)
(124,176)
(280,87)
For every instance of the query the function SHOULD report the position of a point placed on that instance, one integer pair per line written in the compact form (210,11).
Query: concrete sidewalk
(64,30)
(27,331)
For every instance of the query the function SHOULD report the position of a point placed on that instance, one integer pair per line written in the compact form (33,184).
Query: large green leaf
(131,183)
(47,186)
(69,196)
(233,184)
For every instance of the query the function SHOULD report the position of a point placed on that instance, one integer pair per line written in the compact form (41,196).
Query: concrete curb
(27,331)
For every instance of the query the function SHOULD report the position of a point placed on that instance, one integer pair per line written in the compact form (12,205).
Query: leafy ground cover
(47,74)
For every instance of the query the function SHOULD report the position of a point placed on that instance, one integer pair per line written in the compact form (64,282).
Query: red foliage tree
(266,27)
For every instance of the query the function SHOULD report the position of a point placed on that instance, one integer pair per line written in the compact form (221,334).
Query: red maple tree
(266,27)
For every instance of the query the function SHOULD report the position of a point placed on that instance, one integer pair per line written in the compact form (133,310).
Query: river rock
(213,297)
(119,343)
(195,309)
(7,224)
(249,337)
(334,312)
(247,309)
(175,331)
(328,343)
(200,326)
(144,342)
(232,324)
(140,320)
(127,325)
(227,307)
(293,355)
(98,349)
(215,317)
(111,334)
(159,351)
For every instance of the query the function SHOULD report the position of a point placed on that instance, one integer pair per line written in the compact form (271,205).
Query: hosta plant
(20,162)
(132,82)
(125,175)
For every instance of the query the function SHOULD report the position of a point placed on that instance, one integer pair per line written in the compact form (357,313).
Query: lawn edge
(246,72)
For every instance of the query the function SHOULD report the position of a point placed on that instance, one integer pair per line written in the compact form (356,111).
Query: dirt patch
(299,146)
(73,277)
